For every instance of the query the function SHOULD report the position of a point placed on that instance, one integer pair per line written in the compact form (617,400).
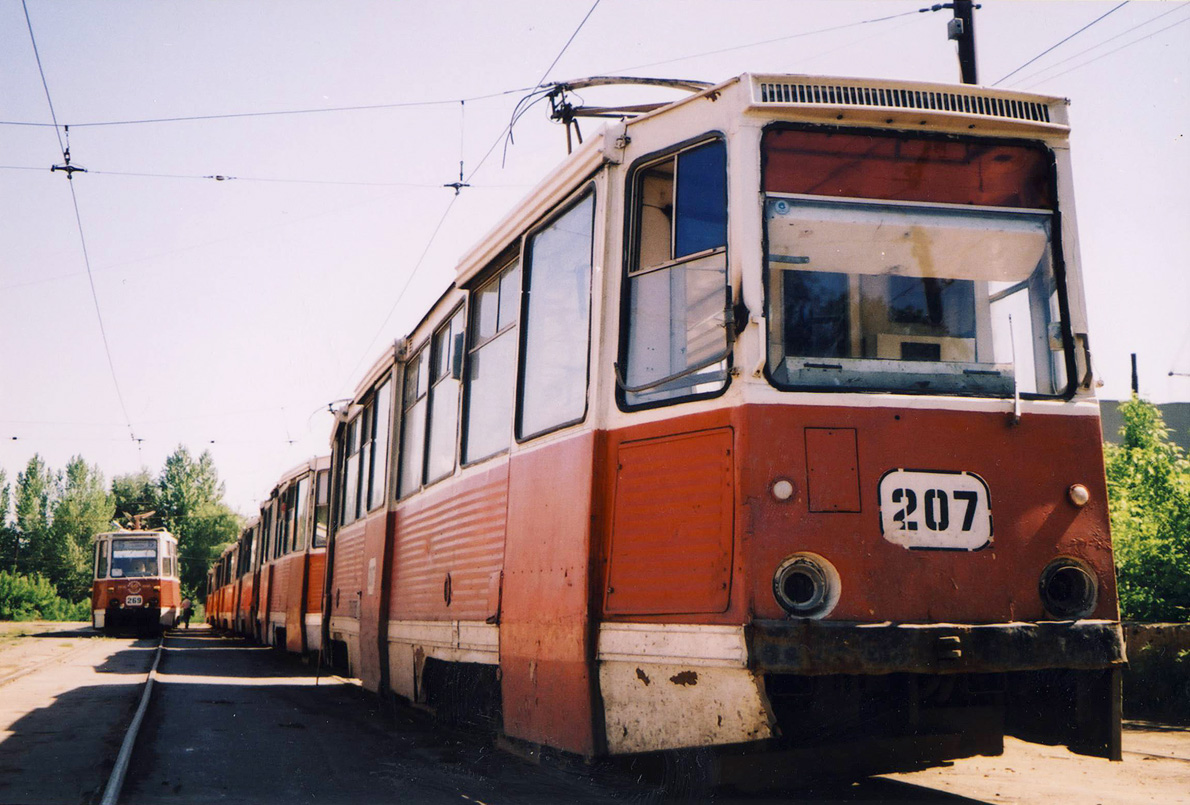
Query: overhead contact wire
(1062,42)
(79,221)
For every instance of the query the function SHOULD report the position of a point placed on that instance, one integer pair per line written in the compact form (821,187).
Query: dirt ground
(1155,769)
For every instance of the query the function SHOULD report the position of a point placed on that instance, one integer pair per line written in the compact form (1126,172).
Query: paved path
(63,713)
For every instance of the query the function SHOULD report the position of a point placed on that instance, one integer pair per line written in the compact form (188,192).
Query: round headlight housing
(1068,589)
(806,586)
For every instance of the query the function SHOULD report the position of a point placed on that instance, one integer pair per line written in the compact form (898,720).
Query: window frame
(506,263)
(1057,257)
(459,310)
(586,190)
(631,256)
(102,548)
(422,355)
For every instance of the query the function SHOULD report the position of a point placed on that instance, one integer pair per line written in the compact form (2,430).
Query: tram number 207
(935,510)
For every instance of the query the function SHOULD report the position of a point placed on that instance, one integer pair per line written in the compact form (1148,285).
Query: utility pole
(962,30)
(1135,376)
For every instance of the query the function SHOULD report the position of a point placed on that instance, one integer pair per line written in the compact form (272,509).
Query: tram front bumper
(807,647)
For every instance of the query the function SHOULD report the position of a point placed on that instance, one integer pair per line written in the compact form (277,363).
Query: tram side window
(285,522)
(167,562)
(556,328)
(491,365)
(280,521)
(413,430)
(350,457)
(321,507)
(246,552)
(266,533)
(677,339)
(101,559)
(377,468)
(302,514)
(446,356)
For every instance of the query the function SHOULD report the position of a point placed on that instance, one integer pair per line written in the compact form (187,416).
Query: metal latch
(950,648)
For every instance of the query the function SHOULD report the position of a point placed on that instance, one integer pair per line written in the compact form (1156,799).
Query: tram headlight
(1068,589)
(806,586)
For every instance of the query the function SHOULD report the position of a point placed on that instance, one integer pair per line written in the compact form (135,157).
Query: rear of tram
(135,585)
(902,494)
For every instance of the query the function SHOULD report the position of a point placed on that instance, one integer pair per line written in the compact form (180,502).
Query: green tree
(83,510)
(34,490)
(190,504)
(9,536)
(134,494)
(1149,498)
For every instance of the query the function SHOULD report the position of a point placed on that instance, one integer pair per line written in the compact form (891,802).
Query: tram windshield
(133,558)
(911,265)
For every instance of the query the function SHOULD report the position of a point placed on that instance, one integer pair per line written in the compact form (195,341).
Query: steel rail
(115,782)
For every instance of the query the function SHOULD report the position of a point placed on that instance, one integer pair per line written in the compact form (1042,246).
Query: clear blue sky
(236,310)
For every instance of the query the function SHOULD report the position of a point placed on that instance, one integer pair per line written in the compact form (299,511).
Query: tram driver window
(903,265)
(677,344)
(132,558)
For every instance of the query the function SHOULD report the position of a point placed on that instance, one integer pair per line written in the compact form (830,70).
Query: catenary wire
(82,237)
(1062,42)
(1121,34)
(274,113)
(450,206)
(763,42)
(1112,51)
(45,84)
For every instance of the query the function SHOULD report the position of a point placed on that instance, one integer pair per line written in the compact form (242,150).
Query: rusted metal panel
(827,647)
(651,706)
(295,599)
(545,640)
(832,470)
(373,604)
(316,582)
(672,525)
(456,527)
(1027,468)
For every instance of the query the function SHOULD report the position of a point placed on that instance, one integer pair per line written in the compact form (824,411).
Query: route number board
(933,510)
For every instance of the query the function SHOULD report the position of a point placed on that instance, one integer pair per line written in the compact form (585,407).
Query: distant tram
(135,585)
(269,584)
(763,429)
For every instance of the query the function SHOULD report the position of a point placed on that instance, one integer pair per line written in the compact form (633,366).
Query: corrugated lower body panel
(671,545)
(316,582)
(348,581)
(458,530)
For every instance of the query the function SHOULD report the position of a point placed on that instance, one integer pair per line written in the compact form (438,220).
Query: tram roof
(156,532)
(845,101)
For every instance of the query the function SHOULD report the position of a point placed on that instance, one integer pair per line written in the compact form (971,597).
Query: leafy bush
(1149,497)
(24,598)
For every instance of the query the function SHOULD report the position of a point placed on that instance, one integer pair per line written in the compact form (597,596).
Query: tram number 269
(935,510)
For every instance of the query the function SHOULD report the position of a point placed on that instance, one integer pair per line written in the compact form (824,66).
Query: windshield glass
(923,288)
(132,558)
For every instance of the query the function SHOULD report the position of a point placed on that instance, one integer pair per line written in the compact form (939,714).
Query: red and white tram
(766,424)
(135,585)
(269,584)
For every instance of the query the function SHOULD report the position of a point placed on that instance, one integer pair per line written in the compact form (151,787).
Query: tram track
(115,782)
(37,666)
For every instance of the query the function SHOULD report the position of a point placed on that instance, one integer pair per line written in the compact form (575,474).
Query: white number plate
(133,601)
(935,510)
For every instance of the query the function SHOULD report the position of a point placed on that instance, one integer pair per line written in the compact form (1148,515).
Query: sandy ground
(1155,769)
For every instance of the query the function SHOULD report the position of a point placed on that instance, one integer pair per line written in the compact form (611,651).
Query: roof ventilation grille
(894,98)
